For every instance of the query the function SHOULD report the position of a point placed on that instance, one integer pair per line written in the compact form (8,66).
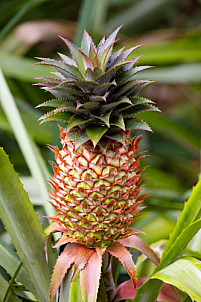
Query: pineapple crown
(95,92)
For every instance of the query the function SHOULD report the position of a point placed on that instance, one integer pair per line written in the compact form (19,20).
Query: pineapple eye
(116,194)
(102,189)
(88,177)
(112,172)
(80,190)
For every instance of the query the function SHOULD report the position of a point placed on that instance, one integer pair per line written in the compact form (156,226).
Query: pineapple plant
(97,179)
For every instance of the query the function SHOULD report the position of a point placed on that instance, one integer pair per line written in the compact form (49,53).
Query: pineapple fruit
(97,179)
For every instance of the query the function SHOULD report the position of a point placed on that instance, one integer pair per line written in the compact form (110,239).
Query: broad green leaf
(9,261)
(185,274)
(25,142)
(95,133)
(189,213)
(24,228)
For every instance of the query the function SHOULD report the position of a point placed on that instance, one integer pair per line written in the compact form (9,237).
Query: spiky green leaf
(105,118)
(133,123)
(81,138)
(75,121)
(137,109)
(51,116)
(118,121)
(95,133)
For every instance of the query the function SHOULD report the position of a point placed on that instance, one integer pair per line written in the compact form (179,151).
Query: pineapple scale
(96,191)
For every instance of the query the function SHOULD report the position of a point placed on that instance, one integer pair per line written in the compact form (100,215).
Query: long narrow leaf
(24,141)
(24,227)
(189,213)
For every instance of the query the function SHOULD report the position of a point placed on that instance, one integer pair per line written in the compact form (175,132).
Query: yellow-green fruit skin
(96,190)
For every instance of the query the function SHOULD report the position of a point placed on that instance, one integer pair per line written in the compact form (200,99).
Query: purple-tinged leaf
(101,89)
(68,71)
(109,41)
(93,75)
(83,256)
(138,243)
(121,57)
(67,60)
(82,61)
(87,46)
(64,261)
(119,251)
(90,276)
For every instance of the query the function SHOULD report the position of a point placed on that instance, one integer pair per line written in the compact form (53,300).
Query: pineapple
(97,179)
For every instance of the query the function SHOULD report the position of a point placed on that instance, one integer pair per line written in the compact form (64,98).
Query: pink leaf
(54,227)
(83,256)
(169,294)
(139,244)
(90,276)
(63,240)
(119,251)
(126,290)
(64,261)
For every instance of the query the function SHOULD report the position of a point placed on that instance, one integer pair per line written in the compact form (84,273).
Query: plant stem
(12,281)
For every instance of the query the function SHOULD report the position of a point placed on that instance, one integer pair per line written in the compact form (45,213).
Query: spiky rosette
(95,92)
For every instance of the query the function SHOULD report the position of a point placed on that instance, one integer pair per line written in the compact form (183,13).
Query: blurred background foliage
(170,32)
